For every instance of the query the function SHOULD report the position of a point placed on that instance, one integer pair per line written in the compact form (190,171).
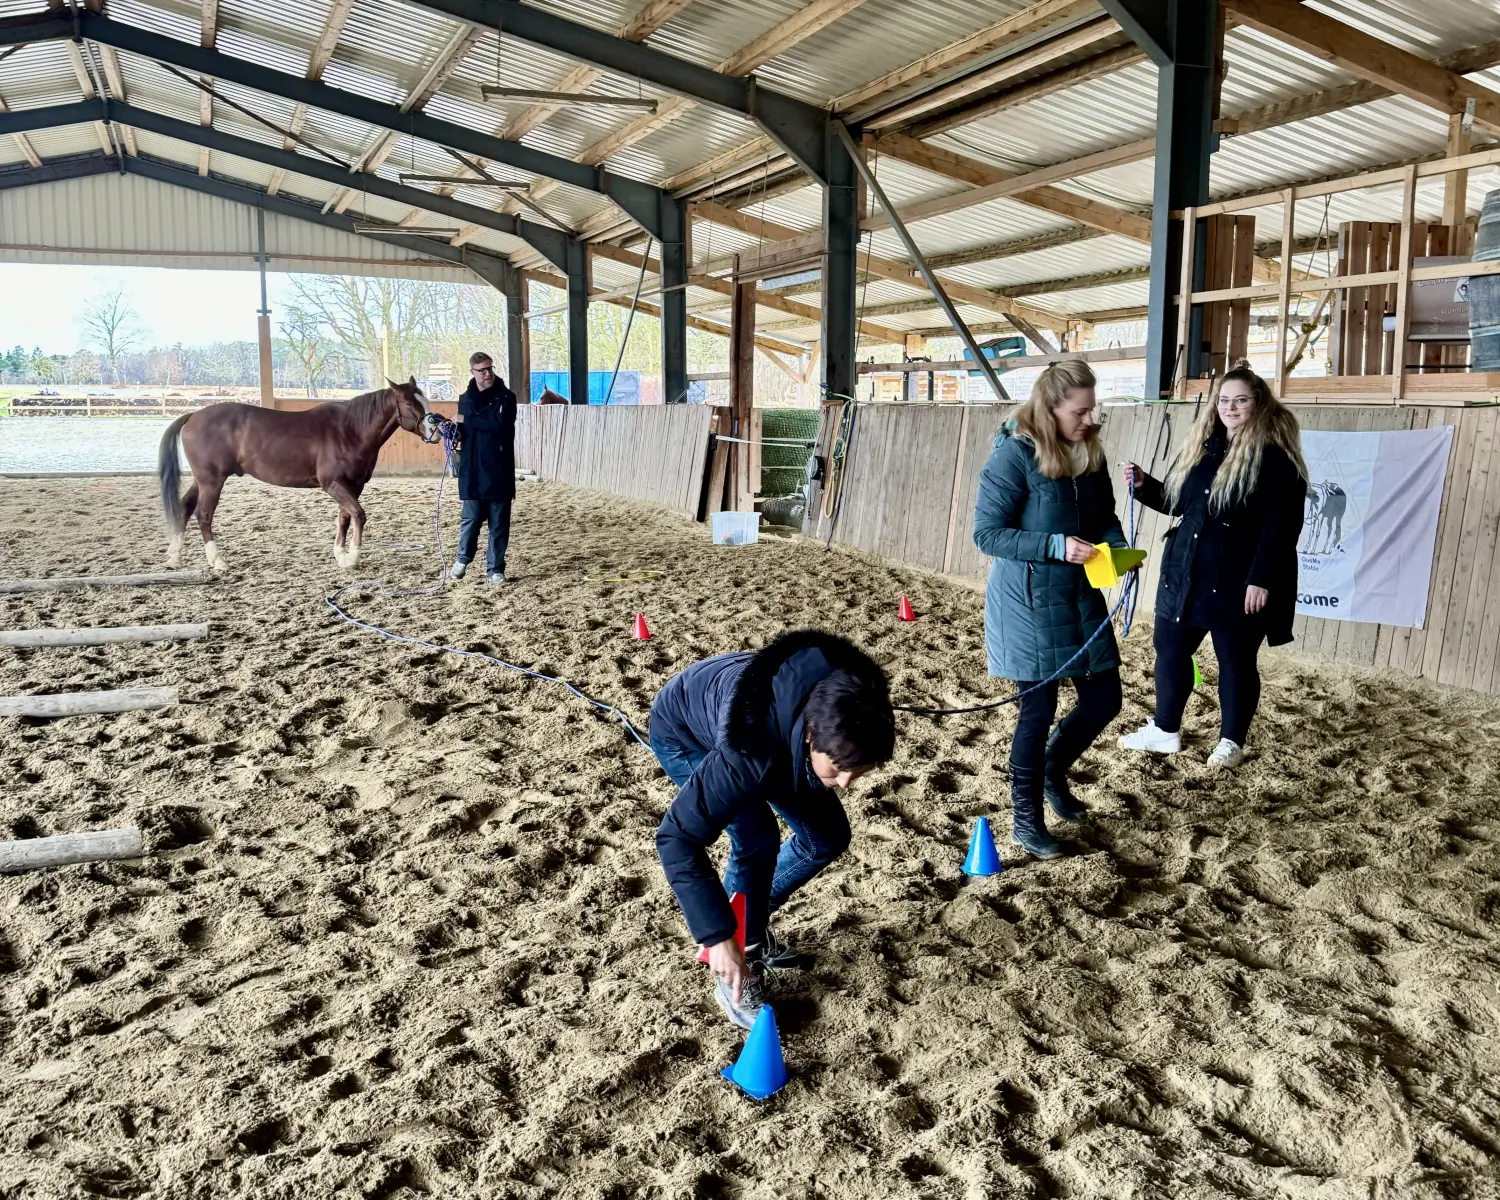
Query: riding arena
(1026,620)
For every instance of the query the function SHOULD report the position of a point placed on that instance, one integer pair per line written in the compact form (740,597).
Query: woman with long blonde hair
(1230,566)
(1044,502)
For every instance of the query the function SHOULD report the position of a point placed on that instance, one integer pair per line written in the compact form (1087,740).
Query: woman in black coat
(1230,565)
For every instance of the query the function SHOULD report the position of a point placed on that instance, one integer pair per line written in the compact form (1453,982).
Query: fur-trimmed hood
(772,689)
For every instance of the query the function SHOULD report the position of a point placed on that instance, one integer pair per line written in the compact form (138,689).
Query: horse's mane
(366,409)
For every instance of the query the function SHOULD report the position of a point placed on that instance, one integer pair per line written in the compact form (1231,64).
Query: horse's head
(412,412)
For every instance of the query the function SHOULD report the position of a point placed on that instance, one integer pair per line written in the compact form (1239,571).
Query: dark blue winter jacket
(487,444)
(745,711)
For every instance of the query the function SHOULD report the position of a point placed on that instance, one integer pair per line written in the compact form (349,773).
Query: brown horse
(332,446)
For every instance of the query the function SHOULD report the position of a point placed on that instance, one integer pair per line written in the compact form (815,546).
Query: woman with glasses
(1044,502)
(1230,566)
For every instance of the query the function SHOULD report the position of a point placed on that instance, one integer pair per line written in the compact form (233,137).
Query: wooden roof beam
(1369,57)
(811,19)
(328,39)
(763,299)
(654,15)
(884,268)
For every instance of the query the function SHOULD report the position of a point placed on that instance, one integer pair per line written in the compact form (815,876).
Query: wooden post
(741,392)
(1288,214)
(267,382)
(1403,289)
(73,584)
(1456,185)
(1185,307)
(98,846)
(101,636)
(72,704)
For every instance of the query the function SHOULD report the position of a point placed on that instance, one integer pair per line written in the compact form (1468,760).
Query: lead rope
(448,430)
(1125,604)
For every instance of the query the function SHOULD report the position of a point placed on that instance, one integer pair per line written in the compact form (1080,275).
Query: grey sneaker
(497,576)
(752,999)
(458,570)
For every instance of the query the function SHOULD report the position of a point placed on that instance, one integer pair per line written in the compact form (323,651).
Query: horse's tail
(170,474)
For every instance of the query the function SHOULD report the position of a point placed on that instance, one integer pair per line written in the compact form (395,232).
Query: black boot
(1060,798)
(1028,824)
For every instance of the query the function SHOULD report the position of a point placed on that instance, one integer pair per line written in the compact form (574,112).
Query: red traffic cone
(640,633)
(736,902)
(904,612)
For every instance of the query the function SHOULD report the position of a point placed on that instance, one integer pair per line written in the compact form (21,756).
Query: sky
(39,304)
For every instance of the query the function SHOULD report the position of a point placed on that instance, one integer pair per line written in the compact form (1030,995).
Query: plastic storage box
(736,528)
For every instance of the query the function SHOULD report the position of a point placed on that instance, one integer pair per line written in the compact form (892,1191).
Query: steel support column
(841,248)
(674,277)
(517,350)
(578,322)
(1182,38)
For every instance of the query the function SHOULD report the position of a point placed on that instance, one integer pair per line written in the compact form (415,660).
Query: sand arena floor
(404,933)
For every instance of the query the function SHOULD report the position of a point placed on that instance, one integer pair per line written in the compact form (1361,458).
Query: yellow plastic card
(1110,563)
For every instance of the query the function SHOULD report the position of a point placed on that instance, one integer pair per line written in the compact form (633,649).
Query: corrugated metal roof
(386,46)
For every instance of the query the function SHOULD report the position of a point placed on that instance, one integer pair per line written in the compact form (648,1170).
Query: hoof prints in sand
(403,932)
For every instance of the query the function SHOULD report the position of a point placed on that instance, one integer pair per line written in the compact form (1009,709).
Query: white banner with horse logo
(1371,524)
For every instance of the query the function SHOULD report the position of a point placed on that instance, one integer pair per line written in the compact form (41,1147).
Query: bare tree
(111,322)
(311,346)
(363,313)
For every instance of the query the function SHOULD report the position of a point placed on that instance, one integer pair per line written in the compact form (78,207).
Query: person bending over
(486,466)
(1230,566)
(1044,502)
(746,738)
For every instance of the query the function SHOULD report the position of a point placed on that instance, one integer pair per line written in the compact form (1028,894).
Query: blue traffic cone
(983,859)
(760,1071)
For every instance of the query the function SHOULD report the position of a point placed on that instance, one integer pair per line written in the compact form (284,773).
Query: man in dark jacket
(747,737)
(486,466)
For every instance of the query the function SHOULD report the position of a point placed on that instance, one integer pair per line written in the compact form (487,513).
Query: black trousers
(496,513)
(1099,700)
(1239,676)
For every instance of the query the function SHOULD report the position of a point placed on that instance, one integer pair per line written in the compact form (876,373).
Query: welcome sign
(1370,525)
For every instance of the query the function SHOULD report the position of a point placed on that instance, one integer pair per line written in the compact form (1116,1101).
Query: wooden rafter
(1095,67)
(382,143)
(883,268)
(1023,24)
(806,21)
(209,26)
(1070,42)
(328,39)
(763,299)
(115,78)
(86,87)
(765,342)
(1369,57)
(299,119)
(23,143)
(646,22)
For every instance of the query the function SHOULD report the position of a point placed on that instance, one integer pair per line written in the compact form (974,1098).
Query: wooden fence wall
(405,453)
(912,476)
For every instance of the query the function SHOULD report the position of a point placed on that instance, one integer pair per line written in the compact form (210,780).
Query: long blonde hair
(1034,419)
(1271,423)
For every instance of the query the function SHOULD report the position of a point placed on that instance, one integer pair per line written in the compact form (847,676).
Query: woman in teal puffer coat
(1045,500)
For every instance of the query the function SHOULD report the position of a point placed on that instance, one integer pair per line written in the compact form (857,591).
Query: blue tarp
(627,386)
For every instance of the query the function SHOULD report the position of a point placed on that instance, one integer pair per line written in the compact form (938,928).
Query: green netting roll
(782,468)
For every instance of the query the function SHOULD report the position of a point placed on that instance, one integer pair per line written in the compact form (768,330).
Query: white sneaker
(1227,755)
(752,998)
(458,569)
(1149,737)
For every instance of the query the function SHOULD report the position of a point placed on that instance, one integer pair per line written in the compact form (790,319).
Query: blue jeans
(475,513)
(764,868)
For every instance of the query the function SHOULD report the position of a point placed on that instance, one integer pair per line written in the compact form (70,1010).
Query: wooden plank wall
(655,453)
(905,475)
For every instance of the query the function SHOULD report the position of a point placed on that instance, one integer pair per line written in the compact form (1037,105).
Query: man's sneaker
(1149,737)
(497,576)
(777,955)
(752,999)
(458,570)
(1227,755)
